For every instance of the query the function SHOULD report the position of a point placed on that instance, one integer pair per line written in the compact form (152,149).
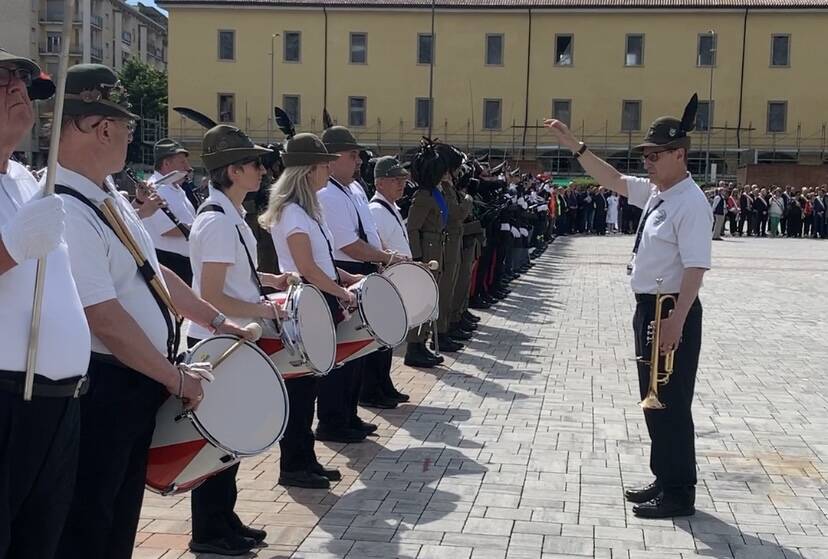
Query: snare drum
(380,320)
(418,289)
(308,341)
(244,413)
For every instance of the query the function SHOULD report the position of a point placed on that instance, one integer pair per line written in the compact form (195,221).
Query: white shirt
(391,227)
(295,219)
(159,223)
(215,238)
(64,343)
(676,235)
(343,210)
(102,266)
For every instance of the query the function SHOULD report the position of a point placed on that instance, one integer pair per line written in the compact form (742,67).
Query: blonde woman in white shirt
(303,245)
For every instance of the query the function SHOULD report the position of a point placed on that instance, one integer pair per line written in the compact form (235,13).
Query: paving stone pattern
(520,448)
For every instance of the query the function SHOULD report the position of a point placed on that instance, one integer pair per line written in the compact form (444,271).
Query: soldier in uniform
(469,253)
(672,252)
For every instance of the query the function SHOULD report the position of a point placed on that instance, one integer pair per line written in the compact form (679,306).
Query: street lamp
(272,77)
(709,123)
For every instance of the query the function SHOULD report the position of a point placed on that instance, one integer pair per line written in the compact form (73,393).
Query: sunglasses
(256,161)
(7,75)
(655,156)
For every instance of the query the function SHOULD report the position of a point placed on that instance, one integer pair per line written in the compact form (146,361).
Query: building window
(777,116)
(52,42)
(781,50)
(564,50)
(293,46)
(631,116)
(422,112)
(357,107)
(562,110)
(494,50)
(491,114)
(227,45)
(126,37)
(292,106)
(707,50)
(359,48)
(425,48)
(704,115)
(226,107)
(634,52)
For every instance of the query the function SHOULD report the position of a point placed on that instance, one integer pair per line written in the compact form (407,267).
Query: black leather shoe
(449,345)
(304,478)
(363,426)
(343,435)
(229,545)
(663,508)
(254,534)
(378,402)
(329,474)
(643,494)
(398,396)
(471,317)
(467,325)
(479,303)
(457,334)
(438,358)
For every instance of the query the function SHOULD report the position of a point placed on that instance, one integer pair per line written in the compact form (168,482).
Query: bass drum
(418,289)
(244,413)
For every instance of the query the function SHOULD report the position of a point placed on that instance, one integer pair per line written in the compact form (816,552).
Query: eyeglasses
(130,124)
(7,75)
(655,156)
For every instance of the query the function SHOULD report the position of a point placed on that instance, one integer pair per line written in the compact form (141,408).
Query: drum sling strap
(147,274)
(387,206)
(361,232)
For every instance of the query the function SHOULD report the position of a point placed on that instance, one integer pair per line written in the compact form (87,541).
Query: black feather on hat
(688,119)
(668,132)
(197,117)
(327,121)
(284,122)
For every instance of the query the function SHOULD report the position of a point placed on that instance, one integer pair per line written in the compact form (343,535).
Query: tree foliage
(147,91)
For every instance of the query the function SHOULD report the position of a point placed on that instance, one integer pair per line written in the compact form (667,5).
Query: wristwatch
(216,323)
(580,151)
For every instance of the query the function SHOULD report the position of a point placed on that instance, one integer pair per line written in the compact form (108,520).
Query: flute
(185,230)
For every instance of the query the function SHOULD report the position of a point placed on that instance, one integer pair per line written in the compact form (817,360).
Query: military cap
(41,86)
(166,147)
(94,89)
(338,139)
(306,149)
(389,167)
(224,145)
(668,132)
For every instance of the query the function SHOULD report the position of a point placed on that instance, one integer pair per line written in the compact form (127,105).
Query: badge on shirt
(659,217)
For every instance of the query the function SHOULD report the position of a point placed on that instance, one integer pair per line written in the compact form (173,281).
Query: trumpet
(658,377)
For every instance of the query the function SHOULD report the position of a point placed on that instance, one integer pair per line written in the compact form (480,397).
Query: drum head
(245,409)
(317,330)
(418,290)
(383,310)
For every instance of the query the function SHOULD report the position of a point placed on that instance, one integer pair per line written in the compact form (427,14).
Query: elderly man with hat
(672,252)
(170,229)
(38,448)
(389,180)
(357,249)
(132,366)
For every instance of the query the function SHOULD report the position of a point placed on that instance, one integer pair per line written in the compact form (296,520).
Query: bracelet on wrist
(580,151)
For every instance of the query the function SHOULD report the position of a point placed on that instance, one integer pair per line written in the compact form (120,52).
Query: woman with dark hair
(224,259)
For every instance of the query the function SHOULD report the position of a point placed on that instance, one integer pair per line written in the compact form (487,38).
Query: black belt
(13,381)
(650,298)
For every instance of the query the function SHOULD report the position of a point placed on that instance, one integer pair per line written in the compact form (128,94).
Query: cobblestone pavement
(521,447)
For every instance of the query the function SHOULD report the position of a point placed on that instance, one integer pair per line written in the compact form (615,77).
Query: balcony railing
(55,15)
(54,49)
(97,53)
(97,21)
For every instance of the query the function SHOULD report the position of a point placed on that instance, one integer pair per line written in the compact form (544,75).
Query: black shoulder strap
(361,233)
(388,207)
(147,274)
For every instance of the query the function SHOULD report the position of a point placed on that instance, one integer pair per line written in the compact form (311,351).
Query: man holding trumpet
(672,251)
(132,305)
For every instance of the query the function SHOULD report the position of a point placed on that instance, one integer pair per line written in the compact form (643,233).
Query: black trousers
(672,433)
(376,380)
(296,446)
(730,217)
(179,264)
(118,418)
(38,464)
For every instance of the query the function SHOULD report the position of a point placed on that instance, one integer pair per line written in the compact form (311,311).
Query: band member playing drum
(169,236)
(672,251)
(303,242)
(38,447)
(127,307)
(223,253)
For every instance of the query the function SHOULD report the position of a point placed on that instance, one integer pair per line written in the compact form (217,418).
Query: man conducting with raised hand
(672,251)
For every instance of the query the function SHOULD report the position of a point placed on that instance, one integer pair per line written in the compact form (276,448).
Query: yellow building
(502,66)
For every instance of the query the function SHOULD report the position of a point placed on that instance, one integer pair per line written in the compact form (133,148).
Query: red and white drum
(308,341)
(380,320)
(244,413)
(418,289)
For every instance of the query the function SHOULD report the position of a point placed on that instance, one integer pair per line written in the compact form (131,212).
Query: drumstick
(254,328)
